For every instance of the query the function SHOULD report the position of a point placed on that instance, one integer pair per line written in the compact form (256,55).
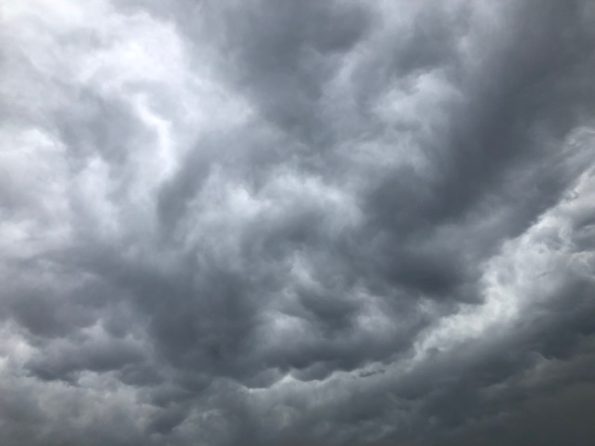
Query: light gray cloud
(280,222)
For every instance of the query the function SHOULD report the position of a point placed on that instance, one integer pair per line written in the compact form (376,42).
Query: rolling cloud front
(297,222)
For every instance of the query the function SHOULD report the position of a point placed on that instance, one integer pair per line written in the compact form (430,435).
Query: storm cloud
(297,222)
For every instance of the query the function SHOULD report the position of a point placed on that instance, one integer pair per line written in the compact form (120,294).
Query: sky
(297,222)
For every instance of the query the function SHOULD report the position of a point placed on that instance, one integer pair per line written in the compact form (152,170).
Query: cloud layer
(278,222)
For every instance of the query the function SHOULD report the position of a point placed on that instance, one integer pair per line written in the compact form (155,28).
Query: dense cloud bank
(297,222)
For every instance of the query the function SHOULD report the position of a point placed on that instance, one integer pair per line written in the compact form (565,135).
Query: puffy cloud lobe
(290,222)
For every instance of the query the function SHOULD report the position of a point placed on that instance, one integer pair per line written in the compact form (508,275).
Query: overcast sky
(297,222)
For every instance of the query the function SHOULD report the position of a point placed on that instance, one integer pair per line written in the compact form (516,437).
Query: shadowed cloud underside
(297,222)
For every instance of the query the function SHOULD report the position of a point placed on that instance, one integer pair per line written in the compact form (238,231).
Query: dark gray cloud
(286,223)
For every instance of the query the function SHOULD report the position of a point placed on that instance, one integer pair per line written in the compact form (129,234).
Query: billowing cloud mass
(297,222)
